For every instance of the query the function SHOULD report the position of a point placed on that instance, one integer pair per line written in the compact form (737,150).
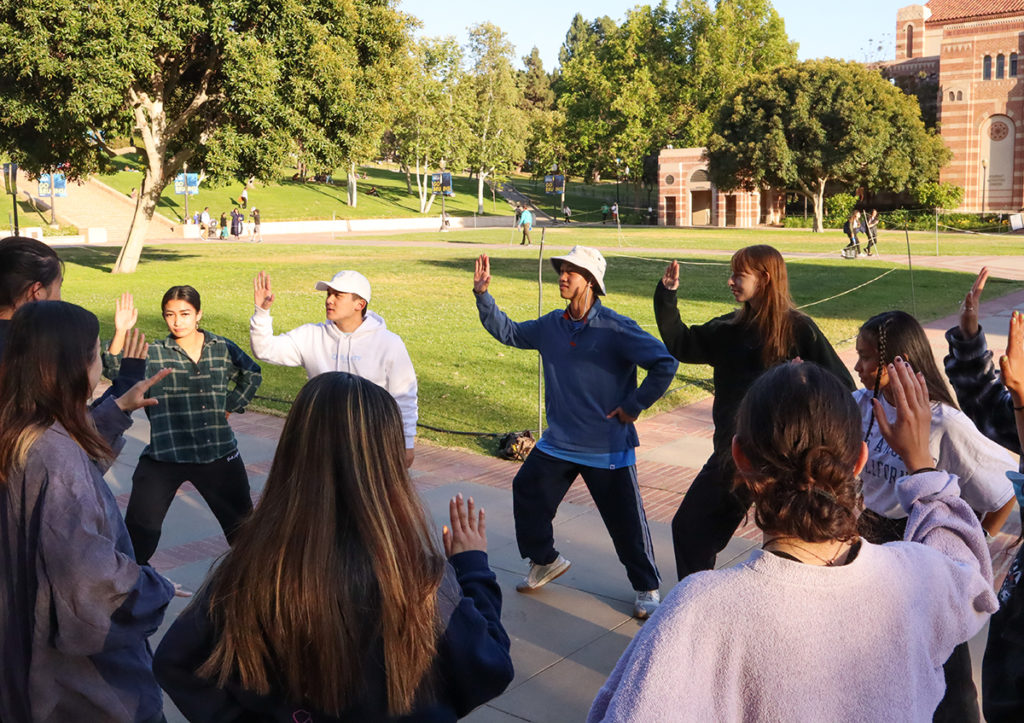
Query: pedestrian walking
(526,223)
(255,233)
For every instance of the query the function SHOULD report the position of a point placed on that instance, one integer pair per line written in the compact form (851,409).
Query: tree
(227,86)
(498,124)
(434,103)
(820,121)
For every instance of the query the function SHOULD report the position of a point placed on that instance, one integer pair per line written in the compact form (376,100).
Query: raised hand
(125,313)
(1011,364)
(135,346)
(969,309)
(482,274)
(909,434)
(468,530)
(262,295)
(671,278)
(135,398)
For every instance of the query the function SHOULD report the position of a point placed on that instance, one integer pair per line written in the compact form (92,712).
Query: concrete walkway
(567,637)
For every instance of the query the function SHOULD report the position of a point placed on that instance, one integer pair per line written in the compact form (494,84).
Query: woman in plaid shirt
(190,438)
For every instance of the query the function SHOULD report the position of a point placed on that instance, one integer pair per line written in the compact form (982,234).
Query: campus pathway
(567,637)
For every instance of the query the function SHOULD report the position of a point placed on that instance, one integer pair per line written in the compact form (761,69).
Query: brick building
(973,50)
(686,196)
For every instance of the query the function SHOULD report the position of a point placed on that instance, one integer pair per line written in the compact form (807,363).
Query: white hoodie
(371,352)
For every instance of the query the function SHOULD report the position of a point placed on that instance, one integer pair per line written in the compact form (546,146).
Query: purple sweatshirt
(773,639)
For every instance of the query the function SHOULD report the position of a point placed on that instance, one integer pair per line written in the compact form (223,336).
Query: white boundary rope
(848,291)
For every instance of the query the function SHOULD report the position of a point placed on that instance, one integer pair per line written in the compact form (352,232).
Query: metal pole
(184,169)
(910,265)
(936,232)
(53,199)
(540,311)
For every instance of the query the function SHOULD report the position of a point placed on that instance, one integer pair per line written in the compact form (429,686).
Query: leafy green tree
(497,121)
(808,124)
(230,87)
(432,121)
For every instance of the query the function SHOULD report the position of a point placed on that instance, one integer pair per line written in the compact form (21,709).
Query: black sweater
(472,664)
(734,353)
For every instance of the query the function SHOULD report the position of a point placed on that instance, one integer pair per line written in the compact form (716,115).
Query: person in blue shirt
(590,356)
(526,223)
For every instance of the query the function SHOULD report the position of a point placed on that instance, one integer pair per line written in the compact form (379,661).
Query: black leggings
(961,700)
(223,483)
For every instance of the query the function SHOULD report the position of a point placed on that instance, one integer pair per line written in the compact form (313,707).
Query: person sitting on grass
(818,624)
(335,602)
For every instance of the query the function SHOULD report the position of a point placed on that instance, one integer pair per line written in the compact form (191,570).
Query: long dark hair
(799,429)
(188,294)
(772,318)
(336,558)
(44,378)
(23,262)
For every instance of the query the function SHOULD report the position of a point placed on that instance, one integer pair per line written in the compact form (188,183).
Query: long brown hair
(44,378)
(336,558)
(772,318)
(800,431)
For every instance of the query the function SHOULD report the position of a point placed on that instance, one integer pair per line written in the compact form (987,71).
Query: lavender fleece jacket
(773,639)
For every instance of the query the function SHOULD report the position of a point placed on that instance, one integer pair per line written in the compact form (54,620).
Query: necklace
(581,317)
(828,562)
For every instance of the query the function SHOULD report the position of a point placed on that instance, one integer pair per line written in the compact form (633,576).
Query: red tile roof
(944,10)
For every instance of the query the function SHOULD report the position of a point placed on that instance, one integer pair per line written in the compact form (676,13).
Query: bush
(840,206)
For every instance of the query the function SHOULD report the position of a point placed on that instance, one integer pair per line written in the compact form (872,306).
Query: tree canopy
(802,126)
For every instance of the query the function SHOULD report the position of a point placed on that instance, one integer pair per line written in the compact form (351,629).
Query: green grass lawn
(468,381)
(290,200)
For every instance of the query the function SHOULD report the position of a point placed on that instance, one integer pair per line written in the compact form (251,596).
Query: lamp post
(617,161)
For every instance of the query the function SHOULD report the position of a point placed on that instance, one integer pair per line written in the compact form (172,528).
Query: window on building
(1013,65)
(952,96)
(910,41)
(986,68)
(1000,65)
(959,95)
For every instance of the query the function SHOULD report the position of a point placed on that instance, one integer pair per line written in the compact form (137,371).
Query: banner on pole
(11,179)
(186,184)
(60,185)
(554,184)
(441,183)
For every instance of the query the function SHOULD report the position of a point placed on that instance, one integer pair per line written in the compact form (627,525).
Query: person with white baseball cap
(351,339)
(590,356)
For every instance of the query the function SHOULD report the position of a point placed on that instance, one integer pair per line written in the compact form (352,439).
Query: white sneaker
(541,575)
(646,603)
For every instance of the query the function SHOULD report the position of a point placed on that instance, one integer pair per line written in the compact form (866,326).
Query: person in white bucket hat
(590,356)
(351,339)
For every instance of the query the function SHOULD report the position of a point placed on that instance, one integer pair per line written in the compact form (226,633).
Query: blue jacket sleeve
(473,653)
(522,335)
(978,389)
(130,372)
(246,378)
(650,354)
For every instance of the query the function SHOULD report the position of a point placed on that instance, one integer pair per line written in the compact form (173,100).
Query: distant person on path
(256,235)
(817,625)
(336,603)
(604,213)
(204,221)
(851,228)
(190,438)
(352,339)
(764,331)
(590,356)
(871,229)
(244,197)
(224,224)
(566,212)
(525,223)
(77,608)
(237,217)
(615,213)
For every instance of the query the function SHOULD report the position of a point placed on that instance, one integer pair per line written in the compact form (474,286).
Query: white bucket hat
(585,258)
(351,282)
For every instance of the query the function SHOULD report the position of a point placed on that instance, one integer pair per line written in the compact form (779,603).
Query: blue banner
(441,183)
(45,189)
(554,185)
(186,182)
(60,185)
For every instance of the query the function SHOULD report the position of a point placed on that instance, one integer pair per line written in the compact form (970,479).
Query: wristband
(924,469)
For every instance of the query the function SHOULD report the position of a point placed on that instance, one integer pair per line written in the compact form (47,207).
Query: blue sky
(834,28)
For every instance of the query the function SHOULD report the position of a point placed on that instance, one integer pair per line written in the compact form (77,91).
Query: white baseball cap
(585,258)
(351,282)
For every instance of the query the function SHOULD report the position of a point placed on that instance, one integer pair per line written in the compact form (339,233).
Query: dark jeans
(223,483)
(707,518)
(541,484)
(961,700)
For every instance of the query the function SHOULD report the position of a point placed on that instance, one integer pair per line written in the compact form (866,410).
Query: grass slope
(468,381)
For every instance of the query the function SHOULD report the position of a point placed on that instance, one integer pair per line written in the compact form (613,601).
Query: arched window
(952,96)
(986,68)
(1013,65)
(959,95)
(910,41)
(1000,65)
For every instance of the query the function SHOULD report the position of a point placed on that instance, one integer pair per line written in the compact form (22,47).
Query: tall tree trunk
(408,181)
(353,193)
(131,252)
(819,206)
(482,174)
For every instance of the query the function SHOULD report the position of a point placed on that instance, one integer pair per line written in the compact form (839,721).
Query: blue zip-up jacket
(589,370)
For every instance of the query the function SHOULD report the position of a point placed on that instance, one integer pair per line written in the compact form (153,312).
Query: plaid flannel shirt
(189,424)
(979,390)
